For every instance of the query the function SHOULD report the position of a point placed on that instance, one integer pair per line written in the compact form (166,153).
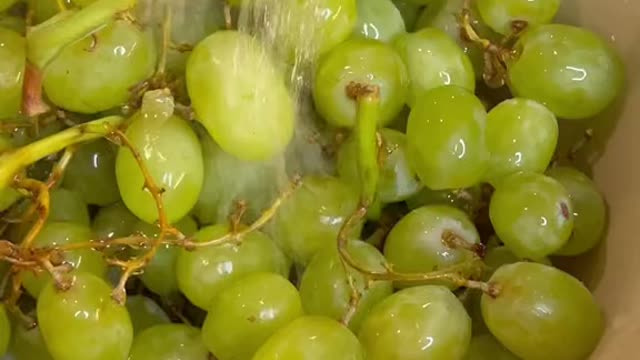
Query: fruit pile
(297,180)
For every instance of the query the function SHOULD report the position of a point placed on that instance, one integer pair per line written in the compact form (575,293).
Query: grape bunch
(297,180)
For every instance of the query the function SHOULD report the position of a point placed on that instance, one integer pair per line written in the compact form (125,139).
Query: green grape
(173,157)
(397,180)
(433,60)
(13,23)
(542,313)
(5,4)
(203,272)
(425,322)
(97,72)
(145,313)
(67,205)
(570,70)
(486,347)
(416,242)
(311,218)
(5,330)
(83,260)
(91,173)
(502,255)
(500,14)
(8,196)
(467,200)
(378,20)
(44,9)
(446,139)
(114,221)
(522,136)
(325,290)
(169,342)
(589,210)
(12,53)
(311,338)
(243,316)
(28,344)
(409,12)
(532,214)
(360,61)
(239,96)
(84,322)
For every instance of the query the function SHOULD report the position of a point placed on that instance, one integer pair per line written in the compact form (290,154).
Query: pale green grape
(84,322)
(91,173)
(397,180)
(28,344)
(311,338)
(145,313)
(243,316)
(522,136)
(325,290)
(203,272)
(312,217)
(169,342)
(542,313)
(433,60)
(502,255)
(500,14)
(239,96)
(67,205)
(589,210)
(12,53)
(532,214)
(172,155)
(83,260)
(5,330)
(114,221)
(446,139)
(486,347)
(467,200)
(379,20)
(409,12)
(425,322)
(572,71)
(97,72)
(45,9)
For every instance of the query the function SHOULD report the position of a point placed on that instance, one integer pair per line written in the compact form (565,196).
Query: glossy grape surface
(12,53)
(467,200)
(145,313)
(378,20)
(542,313)
(169,342)
(113,221)
(500,14)
(28,344)
(486,347)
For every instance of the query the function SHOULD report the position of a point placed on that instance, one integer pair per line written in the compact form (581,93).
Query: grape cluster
(296,180)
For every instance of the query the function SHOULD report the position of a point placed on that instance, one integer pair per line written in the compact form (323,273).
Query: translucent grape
(311,338)
(28,344)
(91,173)
(12,53)
(312,217)
(568,69)
(97,72)
(486,347)
(378,20)
(521,135)
(502,255)
(243,316)
(500,14)
(409,12)
(425,322)
(114,221)
(542,313)
(589,210)
(173,157)
(397,180)
(67,205)
(360,61)
(169,342)
(145,313)
(325,290)
(84,322)
(433,60)
(234,87)
(467,200)
(532,214)
(5,330)
(203,272)
(446,139)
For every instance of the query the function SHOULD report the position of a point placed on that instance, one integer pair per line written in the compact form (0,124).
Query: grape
(542,313)
(433,60)
(84,322)
(568,69)
(82,3)
(500,14)
(44,9)
(325,290)
(589,210)
(145,313)
(203,272)
(409,12)
(243,316)
(486,347)
(397,181)
(311,218)
(446,138)
(8,196)
(239,96)
(169,342)
(467,200)
(12,53)
(67,205)
(415,244)
(114,221)
(532,214)
(83,260)
(91,173)
(5,4)
(5,330)
(28,344)
(311,338)
(521,135)
(14,23)
(96,73)
(425,322)
(379,20)
(173,157)
(501,255)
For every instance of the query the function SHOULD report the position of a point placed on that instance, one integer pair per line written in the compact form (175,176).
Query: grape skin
(168,342)
(145,313)
(378,20)
(500,14)
(12,53)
